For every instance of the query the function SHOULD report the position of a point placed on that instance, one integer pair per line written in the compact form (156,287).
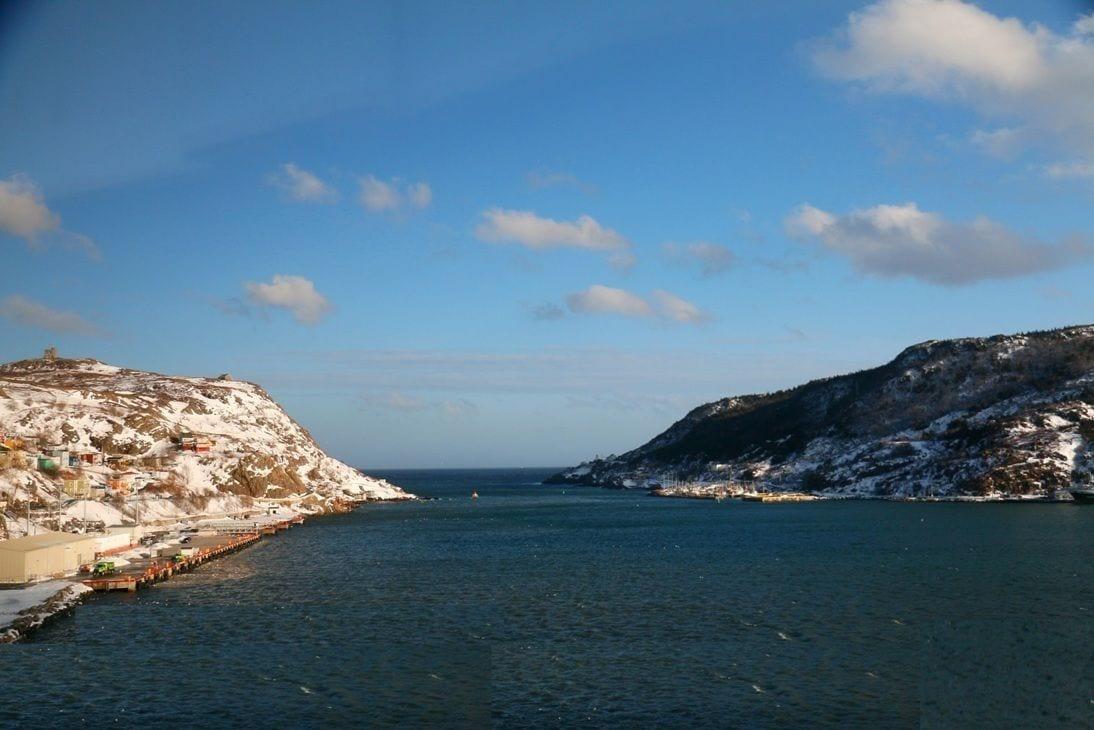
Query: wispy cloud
(394,401)
(1003,143)
(791,335)
(453,409)
(1063,170)
(301,185)
(541,179)
(586,373)
(527,229)
(293,293)
(24,214)
(1055,293)
(600,299)
(711,258)
(954,51)
(28,313)
(380,196)
(902,240)
(630,403)
(546,312)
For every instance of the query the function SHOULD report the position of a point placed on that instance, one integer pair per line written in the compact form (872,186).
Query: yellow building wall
(43,562)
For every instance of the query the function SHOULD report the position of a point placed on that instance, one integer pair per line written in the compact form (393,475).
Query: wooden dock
(140,574)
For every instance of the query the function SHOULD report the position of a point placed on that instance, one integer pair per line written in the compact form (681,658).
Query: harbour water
(552,606)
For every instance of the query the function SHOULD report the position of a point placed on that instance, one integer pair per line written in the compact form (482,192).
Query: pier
(147,571)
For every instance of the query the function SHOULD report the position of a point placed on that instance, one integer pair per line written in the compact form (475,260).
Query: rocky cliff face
(258,451)
(988,417)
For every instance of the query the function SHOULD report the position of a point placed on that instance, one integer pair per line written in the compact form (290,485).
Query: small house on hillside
(75,485)
(198,444)
(118,461)
(121,482)
(85,458)
(55,455)
(11,458)
(21,443)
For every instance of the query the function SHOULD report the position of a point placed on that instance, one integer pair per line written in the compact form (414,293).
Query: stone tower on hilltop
(50,355)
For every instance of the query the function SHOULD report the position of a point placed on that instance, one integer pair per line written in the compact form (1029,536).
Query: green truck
(103,567)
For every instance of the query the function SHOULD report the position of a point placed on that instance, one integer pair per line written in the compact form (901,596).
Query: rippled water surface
(547,606)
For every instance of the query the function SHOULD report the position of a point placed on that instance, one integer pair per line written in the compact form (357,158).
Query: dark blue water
(542,606)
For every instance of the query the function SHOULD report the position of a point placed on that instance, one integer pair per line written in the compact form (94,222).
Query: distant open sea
(561,606)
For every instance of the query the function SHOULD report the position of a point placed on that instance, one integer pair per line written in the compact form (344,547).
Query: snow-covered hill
(983,417)
(135,419)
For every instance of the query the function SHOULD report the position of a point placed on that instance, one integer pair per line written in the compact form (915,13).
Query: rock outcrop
(251,448)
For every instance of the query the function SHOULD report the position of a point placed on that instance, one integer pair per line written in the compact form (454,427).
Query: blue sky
(528,233)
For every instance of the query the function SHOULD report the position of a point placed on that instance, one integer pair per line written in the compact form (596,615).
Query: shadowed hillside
(978,416)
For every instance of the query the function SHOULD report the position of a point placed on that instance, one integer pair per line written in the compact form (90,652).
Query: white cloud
(301,185)
(531,231)
(458,409)
(294,293)
(1062,170)
(952,50)
(1004,142)
(23,213)
(808,220)
(420,195)
(379,196)
(712,258)
(28,313)
(678,310)
(623,259)
(599,299)
(902,240)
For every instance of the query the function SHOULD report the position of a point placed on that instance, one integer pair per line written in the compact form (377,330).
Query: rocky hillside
(257,451)
(986,417)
